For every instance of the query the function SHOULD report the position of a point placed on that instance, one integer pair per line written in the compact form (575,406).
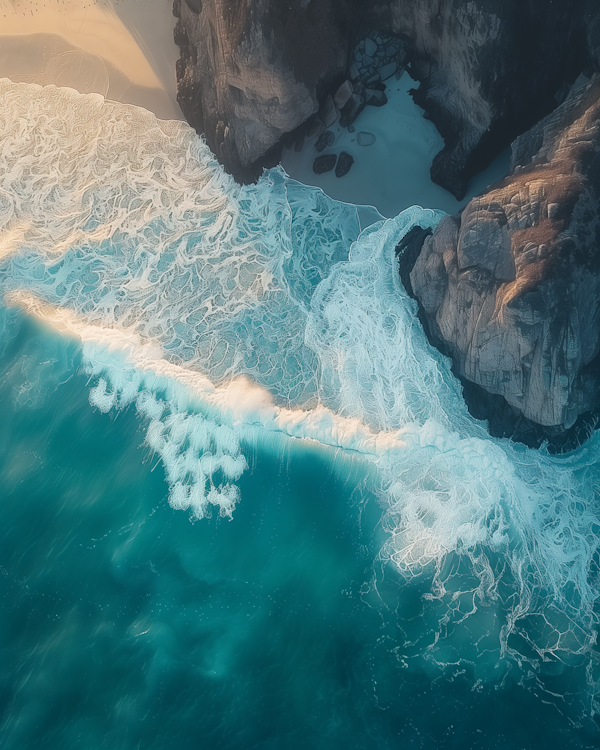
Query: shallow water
(393,173)
(243,502)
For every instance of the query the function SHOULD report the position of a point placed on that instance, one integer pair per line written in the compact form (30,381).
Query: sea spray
(270,308)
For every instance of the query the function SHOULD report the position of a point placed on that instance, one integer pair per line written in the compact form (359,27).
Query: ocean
(243,504)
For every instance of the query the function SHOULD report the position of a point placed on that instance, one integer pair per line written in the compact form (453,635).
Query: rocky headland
(510,288)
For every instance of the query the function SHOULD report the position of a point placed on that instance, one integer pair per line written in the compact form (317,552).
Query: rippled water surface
(242,502)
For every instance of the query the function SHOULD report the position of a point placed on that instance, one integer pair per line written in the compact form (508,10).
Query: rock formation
(253,71)
(510,289)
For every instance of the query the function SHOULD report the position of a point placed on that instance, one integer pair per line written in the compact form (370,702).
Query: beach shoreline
(122,49)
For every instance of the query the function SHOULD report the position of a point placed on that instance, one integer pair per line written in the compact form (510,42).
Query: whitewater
(228,316)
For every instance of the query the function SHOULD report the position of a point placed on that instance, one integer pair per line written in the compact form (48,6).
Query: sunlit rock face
(252,71)
(511,288)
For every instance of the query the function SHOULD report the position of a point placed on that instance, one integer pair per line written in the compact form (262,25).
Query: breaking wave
(223,313)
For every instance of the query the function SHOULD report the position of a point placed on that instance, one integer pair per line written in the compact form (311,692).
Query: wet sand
(122,49)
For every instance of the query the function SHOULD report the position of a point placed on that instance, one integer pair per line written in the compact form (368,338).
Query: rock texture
(510,289)
(253,71)
(489,70)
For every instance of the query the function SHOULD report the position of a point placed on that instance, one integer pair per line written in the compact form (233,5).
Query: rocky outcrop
(488,70)
(510,289)
(252,71)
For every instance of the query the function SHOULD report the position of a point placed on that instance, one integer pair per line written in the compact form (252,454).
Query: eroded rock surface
(489,70)
(252,71)
(510,289)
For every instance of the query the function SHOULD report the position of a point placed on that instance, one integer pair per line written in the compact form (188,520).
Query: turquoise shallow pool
(242,504)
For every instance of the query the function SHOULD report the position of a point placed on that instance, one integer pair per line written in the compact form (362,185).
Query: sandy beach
(122,49)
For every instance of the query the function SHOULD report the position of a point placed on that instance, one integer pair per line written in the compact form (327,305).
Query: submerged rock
(510,289)
(345,161)
(325,140)
(324,163)
(365,139)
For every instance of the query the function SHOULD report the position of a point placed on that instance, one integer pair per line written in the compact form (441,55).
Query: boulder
(325,140)
(365,139)
(387,71)
(510,289)
(329,112)
(342,95)
(375,97)
(345,161)
(324,163)
(354,106)
(370,47)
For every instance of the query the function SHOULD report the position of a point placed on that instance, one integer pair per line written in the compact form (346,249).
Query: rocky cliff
(488,70)
(510,289)
(252,71)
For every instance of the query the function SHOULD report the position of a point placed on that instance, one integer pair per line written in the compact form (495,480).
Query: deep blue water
(242,503)
(126,625)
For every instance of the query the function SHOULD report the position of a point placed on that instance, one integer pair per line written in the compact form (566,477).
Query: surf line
(239,402)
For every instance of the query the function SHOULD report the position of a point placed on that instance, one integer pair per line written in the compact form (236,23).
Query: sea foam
(224,313)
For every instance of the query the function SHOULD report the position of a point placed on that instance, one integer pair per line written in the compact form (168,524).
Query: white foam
(225,313)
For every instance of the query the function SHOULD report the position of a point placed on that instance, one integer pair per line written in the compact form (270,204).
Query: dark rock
(329,113)
(342,95)
(324,163)
(345,161)
(252,70)
(510,289)
(370,47)
(351,128)
(315,128)
(325,140)
(375,98)
(463,86)
(387,71)
(351,111)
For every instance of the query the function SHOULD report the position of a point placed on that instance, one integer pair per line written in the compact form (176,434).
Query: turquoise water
(125,625)
(243,503)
